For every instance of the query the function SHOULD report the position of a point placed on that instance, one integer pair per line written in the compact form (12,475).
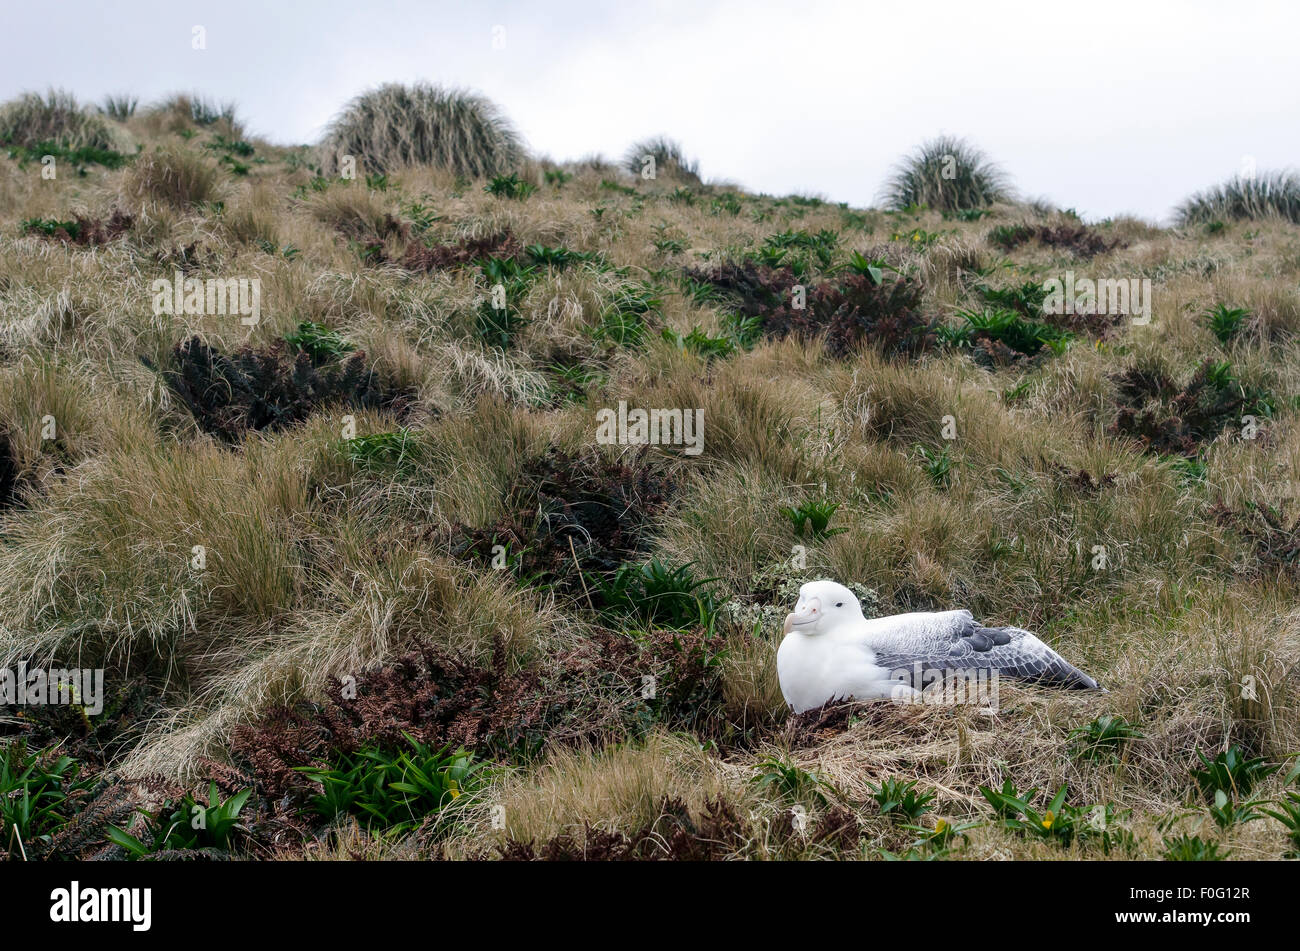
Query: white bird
(831,652)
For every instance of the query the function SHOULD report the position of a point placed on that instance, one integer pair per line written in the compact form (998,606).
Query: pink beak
(806,615)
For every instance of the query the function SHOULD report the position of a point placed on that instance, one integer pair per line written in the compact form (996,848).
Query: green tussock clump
(173,176)
(187,113)
(663,155)
(395,126)
(119,107)
(1270,195)
(31,120)
(946,174)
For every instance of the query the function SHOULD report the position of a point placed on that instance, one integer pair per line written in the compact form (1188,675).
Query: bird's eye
(839,604)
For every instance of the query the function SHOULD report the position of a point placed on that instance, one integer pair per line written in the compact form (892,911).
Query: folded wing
(954,640)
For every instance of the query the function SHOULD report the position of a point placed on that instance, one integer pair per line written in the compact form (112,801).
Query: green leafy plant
(918,237)
(1102,825)
(955,336)
(814,514)
(873,268)
(509,186)
(499,325)
(1293,774)
(1226,813)
(623,322)
(1225,322)
(391,450)
(318,341)
(899,799)
(1103,739)
(789,782)
(219,143)
(726,204)
(743,331)
(1192,848)
(767,256)
(573,381)
(317,183)
(938,465)
(422,217)
(49,227)
(934,843)
(397,791)
(621,328)
(1190,471)
(509,272)
(1026,297)
(660,593)
(558,258)
(500,320)
(1232,772)
(1288,813)
(1056,822)
(188,825)
(78,157)
(1012,329)
(820,246)
(1006,802)
(38,793)
(697,341)
(1059,821)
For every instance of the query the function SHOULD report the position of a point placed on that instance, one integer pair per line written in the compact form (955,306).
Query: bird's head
(822,605)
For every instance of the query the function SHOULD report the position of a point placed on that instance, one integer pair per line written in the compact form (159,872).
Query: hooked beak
(809,613)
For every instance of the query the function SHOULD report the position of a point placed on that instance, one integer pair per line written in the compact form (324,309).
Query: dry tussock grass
(317,567)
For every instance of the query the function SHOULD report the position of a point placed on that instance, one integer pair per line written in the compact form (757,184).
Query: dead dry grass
(315,569)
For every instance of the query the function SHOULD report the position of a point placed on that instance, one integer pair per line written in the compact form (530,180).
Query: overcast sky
(1107,107)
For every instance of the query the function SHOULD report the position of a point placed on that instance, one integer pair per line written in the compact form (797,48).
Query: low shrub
(270,388)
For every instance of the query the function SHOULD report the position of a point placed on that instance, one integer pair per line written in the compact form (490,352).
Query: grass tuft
(58,118)
(1268,195)
(946,174)
(662,156)
(396,126)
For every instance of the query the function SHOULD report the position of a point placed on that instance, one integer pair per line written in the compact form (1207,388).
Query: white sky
(1107,107)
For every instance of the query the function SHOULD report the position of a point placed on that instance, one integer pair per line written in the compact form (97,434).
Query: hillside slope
(374,502)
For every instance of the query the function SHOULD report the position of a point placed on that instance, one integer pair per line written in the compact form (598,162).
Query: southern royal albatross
(831,652)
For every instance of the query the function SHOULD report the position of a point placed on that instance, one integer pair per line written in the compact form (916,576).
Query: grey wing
(955,641)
